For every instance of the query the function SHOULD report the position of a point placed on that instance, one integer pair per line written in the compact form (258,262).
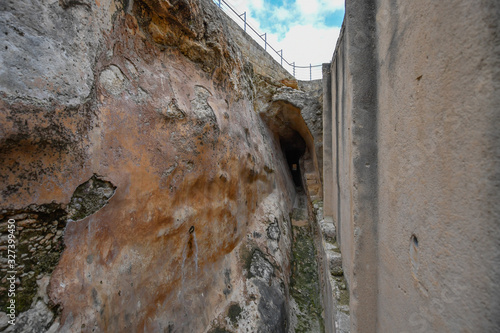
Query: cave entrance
(293,147)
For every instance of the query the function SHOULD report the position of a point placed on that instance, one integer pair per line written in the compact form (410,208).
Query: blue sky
(278,16)
(306,30)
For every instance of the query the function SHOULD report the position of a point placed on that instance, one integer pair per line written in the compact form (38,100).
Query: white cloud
(315,11)
(283,14)
(308,44)
(257,4)
(307,7)
(246,5)
(305,45)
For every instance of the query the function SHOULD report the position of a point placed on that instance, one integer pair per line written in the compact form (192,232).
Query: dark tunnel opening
(293,147)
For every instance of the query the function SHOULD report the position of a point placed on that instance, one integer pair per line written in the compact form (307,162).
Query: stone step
(335,263)
(315,197)
(310,175)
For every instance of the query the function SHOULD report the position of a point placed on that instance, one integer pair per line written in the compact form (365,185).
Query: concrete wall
(411,164)
(327,143)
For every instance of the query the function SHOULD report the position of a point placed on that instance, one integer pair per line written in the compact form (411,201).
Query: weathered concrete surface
(439,148)
(354,160)
(415,163)
(327,176)
(145,173)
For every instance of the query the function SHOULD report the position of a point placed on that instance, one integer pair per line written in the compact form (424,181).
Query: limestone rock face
(295,118)
(48,50)
(129,134)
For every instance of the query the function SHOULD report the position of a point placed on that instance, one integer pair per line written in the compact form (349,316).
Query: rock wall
(411,164)
(149,185)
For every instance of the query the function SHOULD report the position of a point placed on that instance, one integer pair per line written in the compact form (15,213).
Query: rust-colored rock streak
(172,174)
(166,122)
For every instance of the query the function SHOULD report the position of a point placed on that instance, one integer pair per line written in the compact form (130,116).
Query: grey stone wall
(261,60)
(411,164)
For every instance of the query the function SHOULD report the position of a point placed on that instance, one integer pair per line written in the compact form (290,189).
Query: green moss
(234,313)
(44,264)
(298,214)
(24,297)
(344,298)
(343,293)
(305,281)
(219,330)
(34,257)
(338,271)
(40,242)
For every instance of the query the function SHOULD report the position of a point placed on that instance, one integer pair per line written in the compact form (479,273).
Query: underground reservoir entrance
(293,147)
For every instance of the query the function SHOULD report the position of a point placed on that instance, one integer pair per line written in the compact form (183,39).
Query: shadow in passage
(293,147)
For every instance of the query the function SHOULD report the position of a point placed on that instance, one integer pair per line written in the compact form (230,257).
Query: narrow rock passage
(305,289)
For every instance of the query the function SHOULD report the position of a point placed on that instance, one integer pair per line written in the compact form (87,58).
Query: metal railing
(308,72)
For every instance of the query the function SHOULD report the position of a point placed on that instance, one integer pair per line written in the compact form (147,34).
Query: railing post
(293,68)
(265,40)
(244,20)
(281,57)
(310,72)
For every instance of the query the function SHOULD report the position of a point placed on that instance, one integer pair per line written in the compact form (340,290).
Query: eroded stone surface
(113,80)
(260,267)
(273,231)
(413,120)
(49,49)
(89,197)
(155,173)
(37,319)
(290,113)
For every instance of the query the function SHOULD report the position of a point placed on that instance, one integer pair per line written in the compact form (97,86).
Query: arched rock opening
(293,147)
(285,120)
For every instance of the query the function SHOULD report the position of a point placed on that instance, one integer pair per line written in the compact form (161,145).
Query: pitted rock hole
(414,254)
(113,80)
(89,197)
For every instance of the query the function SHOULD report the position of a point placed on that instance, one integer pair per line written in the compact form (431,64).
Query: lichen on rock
(89,197)
(273,231)
(260,267)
